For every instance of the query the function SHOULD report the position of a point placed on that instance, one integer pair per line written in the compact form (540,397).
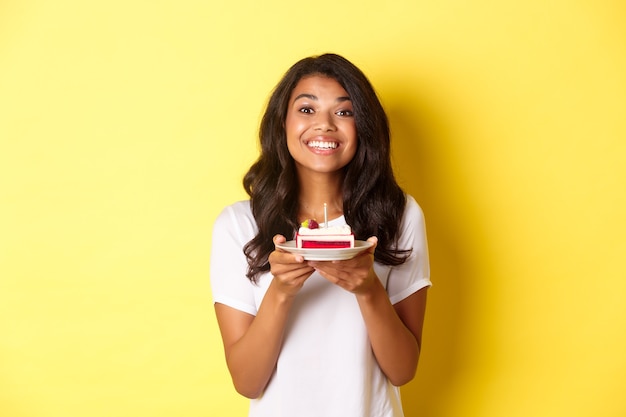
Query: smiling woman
(319,337)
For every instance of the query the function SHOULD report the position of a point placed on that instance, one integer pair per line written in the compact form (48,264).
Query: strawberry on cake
(311,235)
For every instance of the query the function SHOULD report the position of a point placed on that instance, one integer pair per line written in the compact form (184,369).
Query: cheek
(290,146)
(352,135)
(293,142)
(354,144)
(289,129)
(352,152)
(293,123)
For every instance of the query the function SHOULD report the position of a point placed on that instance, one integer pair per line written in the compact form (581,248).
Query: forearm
(251,359)
(395,347)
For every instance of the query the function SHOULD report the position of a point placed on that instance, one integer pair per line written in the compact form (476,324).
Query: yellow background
(126,126)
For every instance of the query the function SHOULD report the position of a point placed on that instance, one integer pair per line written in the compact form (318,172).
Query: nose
(324,122)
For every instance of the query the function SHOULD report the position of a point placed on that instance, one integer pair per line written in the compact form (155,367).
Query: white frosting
(323,231)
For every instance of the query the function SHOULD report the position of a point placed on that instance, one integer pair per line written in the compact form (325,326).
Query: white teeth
(322,145)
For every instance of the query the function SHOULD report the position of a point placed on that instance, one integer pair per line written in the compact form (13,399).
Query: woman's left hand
(355,275)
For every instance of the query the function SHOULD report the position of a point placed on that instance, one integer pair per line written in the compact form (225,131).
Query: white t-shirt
(326,367)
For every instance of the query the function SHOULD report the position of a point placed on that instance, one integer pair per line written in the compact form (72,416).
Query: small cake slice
(312,236)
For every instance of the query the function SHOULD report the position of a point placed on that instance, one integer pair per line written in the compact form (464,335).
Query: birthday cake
(311,235)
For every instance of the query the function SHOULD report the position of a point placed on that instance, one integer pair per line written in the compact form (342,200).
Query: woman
(333,338)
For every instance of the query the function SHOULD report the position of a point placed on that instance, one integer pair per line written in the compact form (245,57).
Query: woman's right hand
(289,270)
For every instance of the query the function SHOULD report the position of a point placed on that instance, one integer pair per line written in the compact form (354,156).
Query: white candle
(325,216)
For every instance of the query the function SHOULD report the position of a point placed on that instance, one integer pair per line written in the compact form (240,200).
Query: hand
(355,275)
(289,270)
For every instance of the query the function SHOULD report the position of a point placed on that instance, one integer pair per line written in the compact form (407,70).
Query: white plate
(339,254)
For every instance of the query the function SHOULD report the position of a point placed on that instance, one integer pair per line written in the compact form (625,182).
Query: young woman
(334,338)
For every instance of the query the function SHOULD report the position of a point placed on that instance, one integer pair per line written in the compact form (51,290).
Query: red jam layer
(314,244)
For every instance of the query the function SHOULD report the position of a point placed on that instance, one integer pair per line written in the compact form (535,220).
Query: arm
(395,332)
(252,343)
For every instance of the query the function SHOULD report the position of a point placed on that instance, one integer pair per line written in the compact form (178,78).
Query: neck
(314,193)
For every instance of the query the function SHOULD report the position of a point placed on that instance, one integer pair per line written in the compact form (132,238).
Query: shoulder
(412,209)
(242,207)
(412,225)
(237,210)
(236,217)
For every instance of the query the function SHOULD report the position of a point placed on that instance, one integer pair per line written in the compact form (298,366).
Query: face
(321,134)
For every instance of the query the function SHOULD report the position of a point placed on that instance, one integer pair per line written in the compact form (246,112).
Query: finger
(295,273)
(285,263)
(328,276)
(283,256)
(305,273)
(277,239)
(333,272)
(374,240)
(294,276)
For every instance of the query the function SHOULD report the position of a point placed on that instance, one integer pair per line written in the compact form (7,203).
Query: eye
(345,113)
(306,110)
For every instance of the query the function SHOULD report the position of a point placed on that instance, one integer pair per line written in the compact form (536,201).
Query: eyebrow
(315,98)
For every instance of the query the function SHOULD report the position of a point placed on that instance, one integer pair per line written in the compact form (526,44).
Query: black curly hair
(373,203)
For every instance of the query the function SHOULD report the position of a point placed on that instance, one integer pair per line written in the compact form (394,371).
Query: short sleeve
(233,228)
(414,273)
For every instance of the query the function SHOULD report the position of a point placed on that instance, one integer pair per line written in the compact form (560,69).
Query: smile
(322,144)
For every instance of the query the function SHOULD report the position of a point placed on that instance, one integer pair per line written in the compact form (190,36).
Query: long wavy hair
(373,202)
